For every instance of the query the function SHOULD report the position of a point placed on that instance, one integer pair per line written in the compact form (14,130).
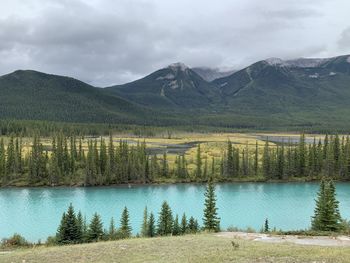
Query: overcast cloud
(105,42)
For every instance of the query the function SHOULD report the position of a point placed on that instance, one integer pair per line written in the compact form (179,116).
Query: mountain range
(272,93)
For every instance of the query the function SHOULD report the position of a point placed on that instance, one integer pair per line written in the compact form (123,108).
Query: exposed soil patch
(339,241)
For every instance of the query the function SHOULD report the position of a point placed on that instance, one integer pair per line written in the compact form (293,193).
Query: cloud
(107,42)
(344,40)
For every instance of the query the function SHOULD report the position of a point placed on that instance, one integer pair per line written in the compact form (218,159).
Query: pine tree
(80,227)
(144,227)
(176,226)
(112,233)
(256,159)
(326,215)
(151,226)
(184,226)
(95,232)
(68,231)
(165,168)
(125,228)
(211,220)
(193,225)
(198,163)
(165,221)
(266,226)
(266,162)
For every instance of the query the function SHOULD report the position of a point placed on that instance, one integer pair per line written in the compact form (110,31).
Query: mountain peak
(178,66)
(274,61)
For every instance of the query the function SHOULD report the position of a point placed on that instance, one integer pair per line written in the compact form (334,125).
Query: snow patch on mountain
(173,84)
(168,76)
(274,61)
(348,59)
(314,76)
(298,63)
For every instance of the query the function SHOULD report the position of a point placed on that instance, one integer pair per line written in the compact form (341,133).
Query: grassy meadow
(189,248)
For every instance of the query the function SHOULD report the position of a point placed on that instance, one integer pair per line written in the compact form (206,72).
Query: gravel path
(339,241)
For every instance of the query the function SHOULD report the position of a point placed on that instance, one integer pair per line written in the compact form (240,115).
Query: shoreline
(162,183)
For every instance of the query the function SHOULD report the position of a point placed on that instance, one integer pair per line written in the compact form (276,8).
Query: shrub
(15,241)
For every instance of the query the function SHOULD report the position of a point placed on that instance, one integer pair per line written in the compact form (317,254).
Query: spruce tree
(151,226)
(68,231)
(211,221)
(95,232)
(112,230)
(184,224)
(266,226)
(80,227)
(193,225)
(326,215)
(125,228)
(165,221)
(176,226)
(198,163)
(144,227)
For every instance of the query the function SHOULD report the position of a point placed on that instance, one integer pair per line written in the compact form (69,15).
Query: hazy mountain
(174,86)
(269,93)
(27,94)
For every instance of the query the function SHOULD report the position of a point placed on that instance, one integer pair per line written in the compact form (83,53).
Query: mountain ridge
(299,92)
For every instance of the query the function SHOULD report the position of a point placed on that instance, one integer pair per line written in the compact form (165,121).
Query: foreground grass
(190,248)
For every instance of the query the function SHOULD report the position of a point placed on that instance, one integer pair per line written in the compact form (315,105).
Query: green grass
(190,248)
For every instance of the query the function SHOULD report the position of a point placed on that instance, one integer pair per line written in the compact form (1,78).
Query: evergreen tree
(144,227)
(193,225)
(80,227)
(95,231)
(125,228)
(184,226)
(112,233)
(266,226)
(198,162)
(165,221)
(176,226)
(266,161)
(256,159)
(326,216)
(211,220)
(151,226)
(68,231)
(165,168)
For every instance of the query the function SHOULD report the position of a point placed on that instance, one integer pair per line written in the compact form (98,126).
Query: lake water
(36,212)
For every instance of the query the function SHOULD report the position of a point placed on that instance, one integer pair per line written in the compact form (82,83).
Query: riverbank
(173,181)
(189,248)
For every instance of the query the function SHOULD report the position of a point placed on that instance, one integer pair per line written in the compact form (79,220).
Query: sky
(106,42)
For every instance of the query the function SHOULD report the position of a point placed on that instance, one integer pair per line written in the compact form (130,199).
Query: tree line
(281,161)
(74,228)
(71,160)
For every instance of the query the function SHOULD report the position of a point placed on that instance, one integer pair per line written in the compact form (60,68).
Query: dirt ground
(339,241)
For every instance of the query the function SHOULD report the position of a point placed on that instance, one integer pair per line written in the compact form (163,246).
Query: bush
(15,241)
(51,241)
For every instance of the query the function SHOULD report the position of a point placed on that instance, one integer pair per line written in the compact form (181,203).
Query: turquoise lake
(36,212)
